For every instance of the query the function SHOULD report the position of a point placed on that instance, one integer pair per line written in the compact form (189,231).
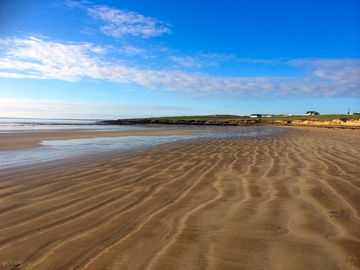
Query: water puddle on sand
(60,149)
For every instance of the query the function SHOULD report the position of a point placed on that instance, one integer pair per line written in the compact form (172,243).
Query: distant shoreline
(328,121)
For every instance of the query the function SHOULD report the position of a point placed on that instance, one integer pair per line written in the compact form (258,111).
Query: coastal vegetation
(342,120)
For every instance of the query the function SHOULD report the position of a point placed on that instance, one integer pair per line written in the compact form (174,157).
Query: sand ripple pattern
(284,201)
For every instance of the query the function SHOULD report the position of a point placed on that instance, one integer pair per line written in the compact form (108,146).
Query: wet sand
(285,201)
(10,141)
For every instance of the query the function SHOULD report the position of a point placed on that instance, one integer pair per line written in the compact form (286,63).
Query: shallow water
(60,149)
(15,125)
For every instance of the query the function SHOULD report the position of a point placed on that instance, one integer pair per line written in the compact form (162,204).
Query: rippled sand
(286,201)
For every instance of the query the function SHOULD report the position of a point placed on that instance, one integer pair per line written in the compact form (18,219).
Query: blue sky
(114,59)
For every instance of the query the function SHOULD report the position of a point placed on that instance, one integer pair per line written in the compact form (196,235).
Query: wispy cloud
(334,69)
(132,50)
(262,61)
(33,57)
(43,59)
(186,61)
(118,22)
(200,59)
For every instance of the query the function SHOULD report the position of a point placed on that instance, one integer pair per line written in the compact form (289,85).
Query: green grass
(324,117)
(199,117)
(221,118)
(233,119)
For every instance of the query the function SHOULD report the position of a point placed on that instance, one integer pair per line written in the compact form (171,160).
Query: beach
(288,200)
(10,141)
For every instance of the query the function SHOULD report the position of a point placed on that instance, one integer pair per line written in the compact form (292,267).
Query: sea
(14,125)
(50,150)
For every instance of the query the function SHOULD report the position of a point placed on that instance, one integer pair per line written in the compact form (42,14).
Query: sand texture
(10,141)
(287,201)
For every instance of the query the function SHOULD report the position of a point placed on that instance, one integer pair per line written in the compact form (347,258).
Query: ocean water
(37,125)
(62,149)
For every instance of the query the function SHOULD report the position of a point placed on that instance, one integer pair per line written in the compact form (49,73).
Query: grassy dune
(225,117)
(319,120)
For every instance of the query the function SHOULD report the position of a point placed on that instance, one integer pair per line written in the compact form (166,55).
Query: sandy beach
(10,140)
(285,201)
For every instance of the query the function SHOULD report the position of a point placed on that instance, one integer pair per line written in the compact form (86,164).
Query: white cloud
(262,61)
(118,23)
(200,59)
(186,61)
(44,59)
(334,69)
(38,58)
(132,50)
(76,3)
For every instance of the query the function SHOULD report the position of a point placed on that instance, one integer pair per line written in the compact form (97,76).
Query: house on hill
(312,113)
(258,115)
